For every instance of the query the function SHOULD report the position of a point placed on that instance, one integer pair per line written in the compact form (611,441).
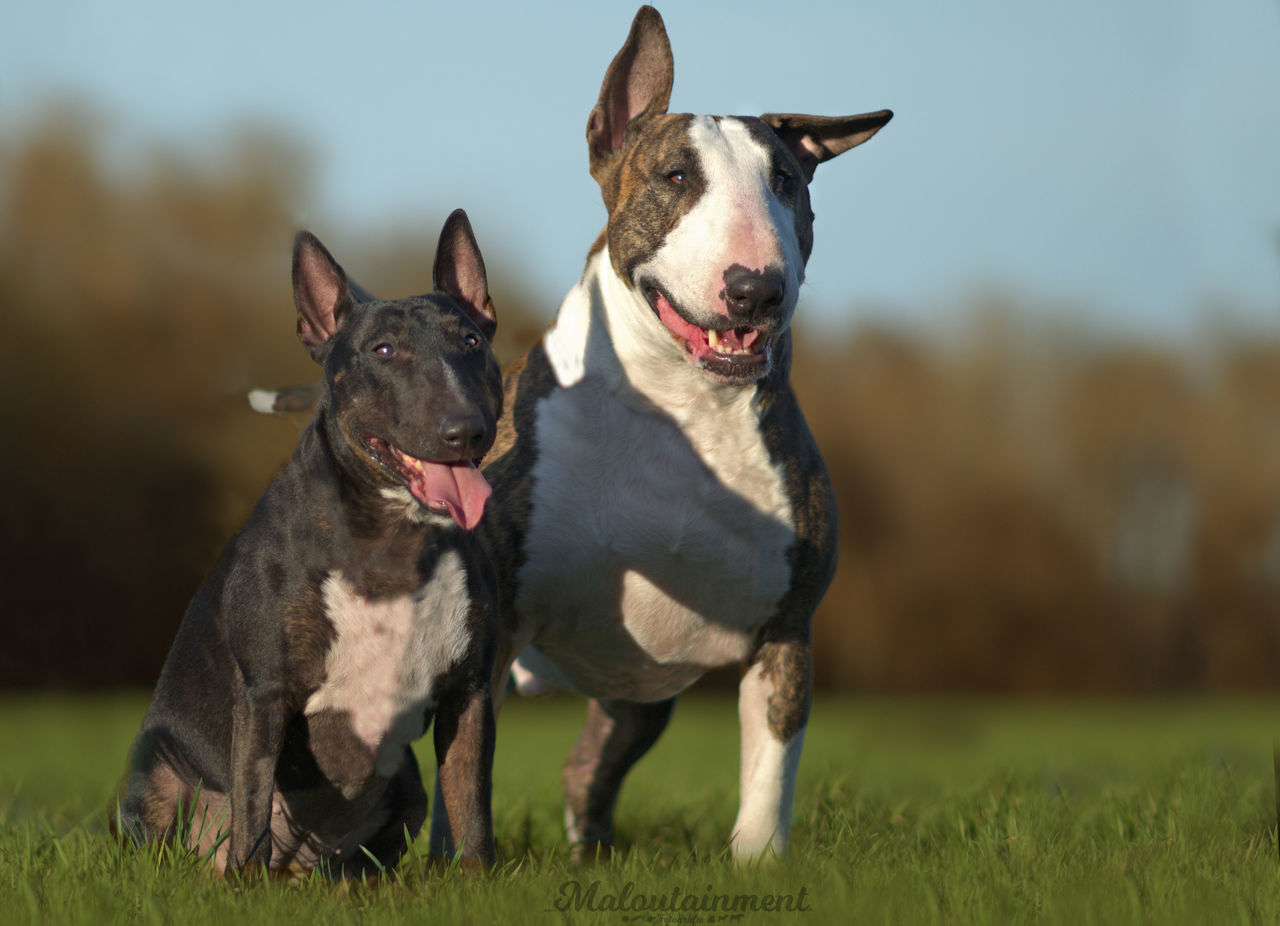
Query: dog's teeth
(713,337)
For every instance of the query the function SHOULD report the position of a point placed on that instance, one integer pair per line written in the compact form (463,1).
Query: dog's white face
(709,218)
(711,227)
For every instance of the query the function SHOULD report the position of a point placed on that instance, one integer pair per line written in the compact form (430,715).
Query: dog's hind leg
(616,735)
(160,787)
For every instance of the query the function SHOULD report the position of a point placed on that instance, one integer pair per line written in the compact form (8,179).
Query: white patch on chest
(387,655)
(660,528)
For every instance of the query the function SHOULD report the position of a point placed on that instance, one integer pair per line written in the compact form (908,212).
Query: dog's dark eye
(385,350)
(782,180)
(677,177)
(470,339)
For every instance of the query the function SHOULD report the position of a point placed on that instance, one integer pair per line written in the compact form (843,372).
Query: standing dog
(352,609)
(661,508)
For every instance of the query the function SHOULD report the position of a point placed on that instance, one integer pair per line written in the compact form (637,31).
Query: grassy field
(930,811)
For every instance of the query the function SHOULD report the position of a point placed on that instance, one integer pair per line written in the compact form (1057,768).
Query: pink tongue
(459,487)
(696,337)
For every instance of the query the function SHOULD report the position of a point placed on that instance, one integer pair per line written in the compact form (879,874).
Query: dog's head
(709,216)
(411,389)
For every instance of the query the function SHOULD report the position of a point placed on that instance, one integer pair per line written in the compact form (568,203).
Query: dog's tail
(287,400)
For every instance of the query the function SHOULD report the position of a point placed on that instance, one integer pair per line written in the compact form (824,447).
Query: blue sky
(1121,159)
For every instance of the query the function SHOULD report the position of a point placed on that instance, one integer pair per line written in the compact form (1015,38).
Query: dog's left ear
(459,272)
(320,294)
(814,139)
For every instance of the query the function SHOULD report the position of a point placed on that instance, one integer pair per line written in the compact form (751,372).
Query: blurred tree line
(1023,507)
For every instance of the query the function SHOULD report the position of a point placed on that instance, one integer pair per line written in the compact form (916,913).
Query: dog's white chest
(656,547)
(387,655)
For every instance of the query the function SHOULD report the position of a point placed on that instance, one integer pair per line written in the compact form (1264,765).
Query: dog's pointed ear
(814,139)
(637,83)
(320,294)
(459,272)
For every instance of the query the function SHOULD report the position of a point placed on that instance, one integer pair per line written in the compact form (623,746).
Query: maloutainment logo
(676,905)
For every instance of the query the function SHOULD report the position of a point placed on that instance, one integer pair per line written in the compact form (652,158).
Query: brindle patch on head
(646,204)
(789,183)
(644,199)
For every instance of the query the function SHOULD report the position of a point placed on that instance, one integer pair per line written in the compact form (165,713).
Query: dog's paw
(591,853)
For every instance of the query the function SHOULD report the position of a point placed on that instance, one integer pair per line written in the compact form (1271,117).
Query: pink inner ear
(470,283)
(463,280)
(650,79)
(320,290)
(629,99)
(639,77)
(459,271)
(808,144)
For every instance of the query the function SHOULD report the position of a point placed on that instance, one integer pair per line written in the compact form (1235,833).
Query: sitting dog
(353,609)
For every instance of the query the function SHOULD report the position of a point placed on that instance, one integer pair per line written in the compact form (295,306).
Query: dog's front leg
(463,816)
(257,729)
(773,707)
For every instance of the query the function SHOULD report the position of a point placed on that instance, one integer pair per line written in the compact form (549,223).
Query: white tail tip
(263,400)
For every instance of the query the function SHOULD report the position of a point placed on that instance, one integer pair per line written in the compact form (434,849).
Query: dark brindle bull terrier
(352,609)
(661,508)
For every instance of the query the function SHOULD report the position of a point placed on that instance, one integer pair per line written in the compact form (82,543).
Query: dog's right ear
(814,139)
(459,272)
(320,294)
(637,83)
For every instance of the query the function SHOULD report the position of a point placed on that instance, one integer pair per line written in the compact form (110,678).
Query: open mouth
(455,489)
(736,356)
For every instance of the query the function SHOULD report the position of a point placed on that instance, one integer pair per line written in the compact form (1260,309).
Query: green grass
(931,811)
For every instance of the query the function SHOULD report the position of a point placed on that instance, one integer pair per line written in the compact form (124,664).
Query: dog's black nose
(465,434)
(751,294)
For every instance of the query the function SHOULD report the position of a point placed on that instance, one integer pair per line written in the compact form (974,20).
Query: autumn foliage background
(1026,504)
